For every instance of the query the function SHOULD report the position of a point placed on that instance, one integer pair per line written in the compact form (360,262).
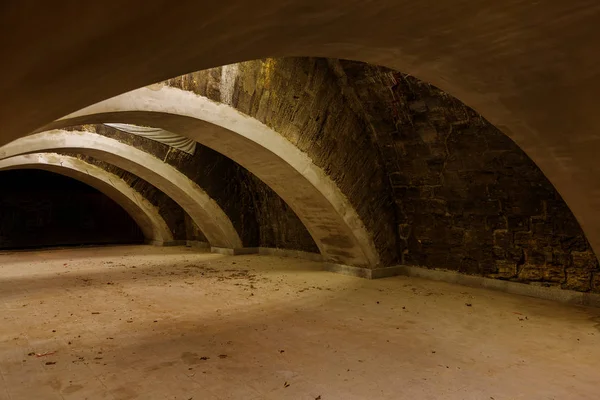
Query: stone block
(578,279)
(456,236)
(561,258)
(418,106)
(499,253)
(524,204)
(427,192)
(433,206)
(506,269)
(428,133)
(398,179)
(541,227)
(469,266)
(596,282)
(517,223)
(574,243)
(554,273)
(535,257)
(497,191)
(523,238)
(436,257)
(455,259)
(495,222)
(584,260)
(503,238)
(435,164)
(454,163)
(515,254)
(531,272)
(404,192)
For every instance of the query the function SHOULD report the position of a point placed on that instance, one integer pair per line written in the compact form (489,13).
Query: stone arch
(331,220)
(204,211)
(146,215)
(535,83)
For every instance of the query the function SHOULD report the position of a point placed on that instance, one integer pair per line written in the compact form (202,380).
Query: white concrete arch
(204,211)
(327,214)
(145,214)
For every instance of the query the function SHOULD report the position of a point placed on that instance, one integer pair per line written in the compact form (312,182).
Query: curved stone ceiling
(146,215)
(531,68)
(204,211)
(331,220)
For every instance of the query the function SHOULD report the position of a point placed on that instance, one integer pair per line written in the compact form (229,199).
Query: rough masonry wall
(40,208)
(300,99)
(467,198)
(260,217)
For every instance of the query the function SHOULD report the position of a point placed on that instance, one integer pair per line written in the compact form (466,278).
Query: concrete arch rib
(204,211)
(327,214)
(145,214)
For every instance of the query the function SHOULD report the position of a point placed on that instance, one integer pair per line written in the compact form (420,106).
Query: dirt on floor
(141,322)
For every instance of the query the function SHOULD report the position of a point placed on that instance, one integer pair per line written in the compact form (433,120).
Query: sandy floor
(170,323)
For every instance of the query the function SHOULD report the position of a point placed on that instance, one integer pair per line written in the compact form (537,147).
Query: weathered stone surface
(444,160)
(258,214)
(596,282)
(577,279)
(459,193)
(300,99)
(506,269)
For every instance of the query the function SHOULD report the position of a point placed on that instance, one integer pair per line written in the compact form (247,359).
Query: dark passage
(40,209)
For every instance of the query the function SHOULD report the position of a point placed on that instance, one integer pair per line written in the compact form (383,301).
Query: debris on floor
(49,353)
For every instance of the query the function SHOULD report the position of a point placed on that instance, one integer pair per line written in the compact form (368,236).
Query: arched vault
(329,217)
(530,68)
(204,211)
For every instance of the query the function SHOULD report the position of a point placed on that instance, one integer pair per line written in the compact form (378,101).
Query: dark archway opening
(44,209)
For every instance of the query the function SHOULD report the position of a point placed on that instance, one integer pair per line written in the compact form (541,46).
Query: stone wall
(435,184)
(467,198)
(40,208)
(258,214)
(299,98)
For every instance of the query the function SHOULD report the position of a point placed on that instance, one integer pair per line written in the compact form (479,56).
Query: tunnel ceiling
(364,165)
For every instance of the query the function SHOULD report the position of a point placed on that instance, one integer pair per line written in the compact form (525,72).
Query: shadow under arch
(327,214)
(146,215)
(204,211)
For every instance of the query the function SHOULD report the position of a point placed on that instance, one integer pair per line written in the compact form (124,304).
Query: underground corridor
(294,228)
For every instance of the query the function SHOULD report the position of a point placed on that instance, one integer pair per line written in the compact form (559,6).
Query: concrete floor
(170,323)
